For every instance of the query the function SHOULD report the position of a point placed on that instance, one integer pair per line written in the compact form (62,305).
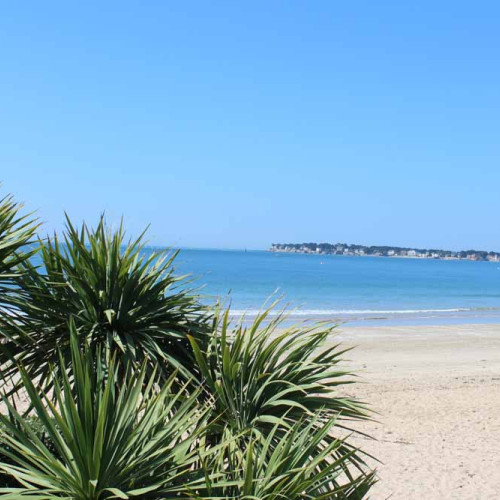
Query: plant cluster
(135,389)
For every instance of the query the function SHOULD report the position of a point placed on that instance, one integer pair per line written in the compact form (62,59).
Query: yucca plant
(297,464)
(265,379)
(108,440)
(115,408)
(16,232)
(123,299)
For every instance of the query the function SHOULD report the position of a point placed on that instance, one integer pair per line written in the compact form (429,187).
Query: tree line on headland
(383,251)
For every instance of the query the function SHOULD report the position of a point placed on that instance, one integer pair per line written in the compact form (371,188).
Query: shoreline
(382,319)
(436,391)
(409,333)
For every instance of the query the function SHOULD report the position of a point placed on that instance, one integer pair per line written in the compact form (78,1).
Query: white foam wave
(351,312)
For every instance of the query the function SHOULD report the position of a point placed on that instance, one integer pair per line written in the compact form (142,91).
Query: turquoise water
(356,289)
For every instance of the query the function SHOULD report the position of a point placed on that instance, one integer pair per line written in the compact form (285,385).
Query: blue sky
(238,124)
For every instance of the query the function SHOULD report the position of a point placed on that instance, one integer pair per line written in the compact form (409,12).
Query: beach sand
(437,392)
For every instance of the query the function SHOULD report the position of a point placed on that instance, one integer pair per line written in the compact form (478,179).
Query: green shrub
(125,416)
(7,480)
(107,440)
(16,232)
(265,381)
(297,464)
(129,304)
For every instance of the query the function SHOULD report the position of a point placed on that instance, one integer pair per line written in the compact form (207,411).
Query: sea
(347,289)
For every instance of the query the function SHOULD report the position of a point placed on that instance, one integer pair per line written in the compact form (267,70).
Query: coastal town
(383,251)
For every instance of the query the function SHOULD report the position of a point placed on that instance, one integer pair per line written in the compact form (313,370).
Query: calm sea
(359,290)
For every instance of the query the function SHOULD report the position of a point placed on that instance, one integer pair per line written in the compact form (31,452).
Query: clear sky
(239,124)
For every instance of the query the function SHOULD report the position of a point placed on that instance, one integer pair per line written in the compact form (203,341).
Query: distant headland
(383,251)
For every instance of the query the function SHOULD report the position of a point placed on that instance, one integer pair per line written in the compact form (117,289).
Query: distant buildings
(383,251)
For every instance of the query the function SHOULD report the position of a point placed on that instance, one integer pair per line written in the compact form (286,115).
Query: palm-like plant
(123,417)
(16,232)
(264,381)
(122,298)
(297,464)
(107,441)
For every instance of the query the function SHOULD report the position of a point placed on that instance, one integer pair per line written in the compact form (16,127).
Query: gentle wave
(333,312)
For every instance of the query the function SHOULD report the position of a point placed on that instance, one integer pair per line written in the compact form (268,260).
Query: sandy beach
(437,392)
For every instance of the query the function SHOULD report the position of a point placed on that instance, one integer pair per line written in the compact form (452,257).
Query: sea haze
(355,289)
